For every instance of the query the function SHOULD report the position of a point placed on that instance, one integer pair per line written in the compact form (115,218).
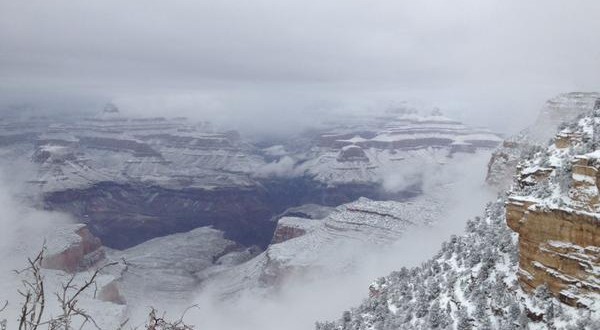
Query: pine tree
(464,322)
(436,316)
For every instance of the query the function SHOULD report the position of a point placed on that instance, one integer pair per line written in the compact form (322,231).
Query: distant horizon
(276,65)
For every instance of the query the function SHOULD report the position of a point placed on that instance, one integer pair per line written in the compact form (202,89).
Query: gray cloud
(250,62)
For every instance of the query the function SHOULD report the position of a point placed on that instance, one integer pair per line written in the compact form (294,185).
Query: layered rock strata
(558,248)
(75,251)
(556,212)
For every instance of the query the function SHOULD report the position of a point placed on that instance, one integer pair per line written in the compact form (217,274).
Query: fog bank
(304,299)
(274,65)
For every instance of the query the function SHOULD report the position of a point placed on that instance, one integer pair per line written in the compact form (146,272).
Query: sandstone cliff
(554,207)
(74,250)
(290,227)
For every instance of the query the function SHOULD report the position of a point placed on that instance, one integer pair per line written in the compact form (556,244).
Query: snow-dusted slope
(562,108)
(557,189)
(542,276)
(174,153)
(367,151)
(470,284)
(168,153)
(163,269)
(313,248)
(133,179)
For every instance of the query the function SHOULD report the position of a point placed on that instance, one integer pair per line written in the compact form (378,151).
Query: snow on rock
(72,155)
(72,248)
(164,268)
(530,262)
(128,177)
(363,150)
(173,153)
(317,246)
(563,108)
(352,153)
(290,227)
(470,284)
(558,227)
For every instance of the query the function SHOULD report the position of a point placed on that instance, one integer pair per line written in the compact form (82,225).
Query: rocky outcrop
(326,247)
(111,293)
(585,183)
(52,153)
(352,153)
(165,269)
(503,162)
(555,210)
(75,251)
(288,228)
(562,108)
(558,248)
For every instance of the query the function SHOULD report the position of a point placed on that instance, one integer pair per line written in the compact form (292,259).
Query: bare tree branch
(31,316)
(160,323)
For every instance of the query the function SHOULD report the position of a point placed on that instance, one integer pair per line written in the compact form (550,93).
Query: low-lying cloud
(26,230)
(304,299)
(285,167)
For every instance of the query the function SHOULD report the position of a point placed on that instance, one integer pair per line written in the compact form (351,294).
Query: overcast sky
(279,62)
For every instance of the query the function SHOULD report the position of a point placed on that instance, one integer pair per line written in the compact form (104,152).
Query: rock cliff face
(367,149)
(562,108)
(288,228)
(74,250)
(560,249)
(554,209)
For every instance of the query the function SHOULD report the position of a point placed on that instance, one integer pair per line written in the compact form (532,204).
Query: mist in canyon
(300,81)
(303,298)
(300,299)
